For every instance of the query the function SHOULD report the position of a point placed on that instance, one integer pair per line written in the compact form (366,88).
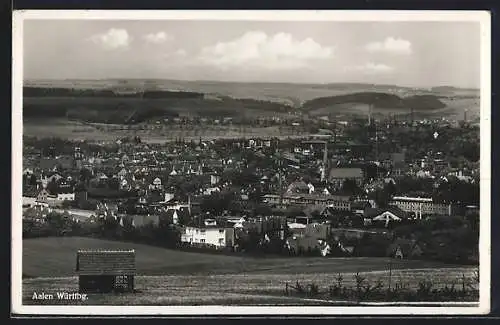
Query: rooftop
(413,199)
(105,262)
(349,172)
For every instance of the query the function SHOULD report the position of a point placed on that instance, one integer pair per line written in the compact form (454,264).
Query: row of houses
(416,206)
(320,238)
(341,203)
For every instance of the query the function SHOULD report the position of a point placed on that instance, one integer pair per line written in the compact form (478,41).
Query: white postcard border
(482,17)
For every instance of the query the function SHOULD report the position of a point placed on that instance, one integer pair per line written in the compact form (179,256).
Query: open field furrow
(211,289)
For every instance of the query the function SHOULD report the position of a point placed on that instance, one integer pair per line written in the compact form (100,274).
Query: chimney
(369,114)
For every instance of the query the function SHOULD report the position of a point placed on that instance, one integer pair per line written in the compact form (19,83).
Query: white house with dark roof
(218,237)
(156,184)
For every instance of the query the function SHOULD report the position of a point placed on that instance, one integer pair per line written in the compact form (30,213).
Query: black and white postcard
(251,162)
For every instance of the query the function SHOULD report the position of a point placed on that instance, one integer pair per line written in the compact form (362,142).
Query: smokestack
(369,114)
(465,116)
(325,162)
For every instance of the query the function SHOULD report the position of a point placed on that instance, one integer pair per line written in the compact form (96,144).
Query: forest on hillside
(109,106)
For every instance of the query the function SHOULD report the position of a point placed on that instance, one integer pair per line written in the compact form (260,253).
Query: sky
(413,53)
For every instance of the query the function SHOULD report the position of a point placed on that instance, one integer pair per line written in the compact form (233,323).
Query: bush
(363,290)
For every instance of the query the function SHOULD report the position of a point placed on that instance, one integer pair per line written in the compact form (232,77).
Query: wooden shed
(105,270)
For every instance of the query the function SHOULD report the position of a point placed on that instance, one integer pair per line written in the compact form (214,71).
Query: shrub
(424,289)
(313,289)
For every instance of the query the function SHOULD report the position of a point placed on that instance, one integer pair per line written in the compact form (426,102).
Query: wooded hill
(128,107)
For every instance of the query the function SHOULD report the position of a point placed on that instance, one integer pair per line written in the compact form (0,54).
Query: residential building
(421,206)
(65,196)
(337,176)
(219,237)
(385,216)
(337,202)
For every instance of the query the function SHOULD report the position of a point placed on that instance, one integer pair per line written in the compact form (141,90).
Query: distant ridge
(378,100)
(32,82)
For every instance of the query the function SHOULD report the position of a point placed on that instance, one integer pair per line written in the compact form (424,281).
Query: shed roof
(105,262)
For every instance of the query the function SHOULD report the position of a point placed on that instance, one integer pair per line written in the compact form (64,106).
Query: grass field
(239,289)
(56,256)
(171,277)
(73,130)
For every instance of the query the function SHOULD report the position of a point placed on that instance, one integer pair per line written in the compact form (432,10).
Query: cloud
(181,52)
(390,45)
(158,38)
(113,39)
(175,55)
(257,49)
(371,68)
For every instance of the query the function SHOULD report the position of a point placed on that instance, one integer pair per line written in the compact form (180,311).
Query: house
(214,179)
(316,230)
(359,207)
(215,236)
(125,159)
(43,196)
(105,270)
(28,171)
(337,202)
(101,177)
(139,220)
(385,216)
(107,208)
(423,174)
(337,176)
(307,245)
(125,185)
(122,173)
(54,178)
(70,196)
(177,215)
(154,196)
(156,184)
(237,221)
(421,206)
(404,249)
(168,197)
(298,187)
(211,190)
(173,172)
